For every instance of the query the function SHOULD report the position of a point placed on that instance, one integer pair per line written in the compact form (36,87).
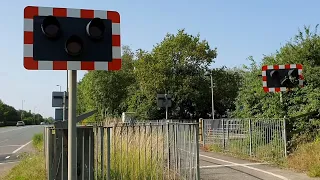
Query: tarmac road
(215,166)
(14,141)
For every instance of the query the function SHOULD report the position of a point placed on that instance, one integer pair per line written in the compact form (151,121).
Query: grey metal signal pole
(166,98)
(72,126)
(64,106)
(212,100)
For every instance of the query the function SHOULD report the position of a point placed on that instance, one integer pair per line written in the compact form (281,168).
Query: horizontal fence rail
(149,150)
(264,139)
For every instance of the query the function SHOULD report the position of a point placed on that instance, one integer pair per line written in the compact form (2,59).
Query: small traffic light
(51,27)
(282,77)
(290,79)
(74,45)
(274,74)
(71,39)
(95,29)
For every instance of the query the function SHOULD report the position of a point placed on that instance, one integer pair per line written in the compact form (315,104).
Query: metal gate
(260,138)
(153,150)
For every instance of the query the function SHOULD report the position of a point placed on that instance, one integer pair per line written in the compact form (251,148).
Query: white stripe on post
(45,65)
(272,89)
(116,52)
(116,28)
(283,89)
(28,25)
(74,65)
(264,73)
(100,14)
(270,67)
(45,11)
(101,66)
(293,66)
(73,13)
(281,66)
(264,83)
(28,50)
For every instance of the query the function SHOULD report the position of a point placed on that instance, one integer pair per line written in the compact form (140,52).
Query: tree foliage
(9,116)
(177,65)
(304,48)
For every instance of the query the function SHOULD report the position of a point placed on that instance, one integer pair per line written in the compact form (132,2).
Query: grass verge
(31,166)
(306,158)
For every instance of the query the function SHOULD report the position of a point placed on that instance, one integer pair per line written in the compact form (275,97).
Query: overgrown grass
(31,166)
(134,155)
(306,158)
(137,154)
(271,152)
(37,141)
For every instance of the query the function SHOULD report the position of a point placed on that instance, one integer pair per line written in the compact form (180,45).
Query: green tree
(176,66)
(9,116)
(226,88)
(304,48)
(106,91)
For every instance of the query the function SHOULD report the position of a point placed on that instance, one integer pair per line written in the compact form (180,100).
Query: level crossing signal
(277,78)
(71,39)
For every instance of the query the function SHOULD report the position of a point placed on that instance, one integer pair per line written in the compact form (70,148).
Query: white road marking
(16,129)
(4,140)
(230,165)
(9,162)
(15,151)
(7,157)
(10,146)
(256,169)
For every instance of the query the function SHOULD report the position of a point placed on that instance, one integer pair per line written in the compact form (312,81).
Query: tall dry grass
(137,152)
(306,158)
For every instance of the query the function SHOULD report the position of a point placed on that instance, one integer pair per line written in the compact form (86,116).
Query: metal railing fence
(153,150)
(261,138)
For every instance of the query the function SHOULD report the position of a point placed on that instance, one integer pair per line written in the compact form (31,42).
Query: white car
(20,123)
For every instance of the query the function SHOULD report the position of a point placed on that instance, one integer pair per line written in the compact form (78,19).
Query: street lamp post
(59,87)
(212,97)
(34,111)
(22,110)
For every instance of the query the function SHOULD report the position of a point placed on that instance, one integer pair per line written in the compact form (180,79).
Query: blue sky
(237,28)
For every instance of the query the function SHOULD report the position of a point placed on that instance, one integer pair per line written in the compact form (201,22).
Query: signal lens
(95,29)
(51,27)
(293,73)
(74,45)
(274,74)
